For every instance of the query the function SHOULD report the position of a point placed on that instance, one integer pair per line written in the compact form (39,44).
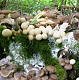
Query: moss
(27,51)
(61,73)
(77,68)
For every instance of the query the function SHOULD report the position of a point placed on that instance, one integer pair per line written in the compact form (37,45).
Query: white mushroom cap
(62,33)
(37,31)
(28,29)
(59,41)
(77,78)
(6,32)
(25,31)
(44,30)
(44,36)
(22,19)
(49,28)
(38,37)
(72,61)
(24,25)
(31,26)
(32,32)
(56,34)
(41,27)
(50,33)
(30,37)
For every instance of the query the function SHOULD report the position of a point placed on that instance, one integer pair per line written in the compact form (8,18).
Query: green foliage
(61,73)
(31,6)
(43,48)
(26,46)
(77,69)
(28,5)
(32,47)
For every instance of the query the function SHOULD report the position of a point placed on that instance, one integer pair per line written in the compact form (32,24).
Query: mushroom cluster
(43,32)
(65,61)
(46,73)
(48,70)
(7,68)
(76,35)
(46,23)
(49,17)
(8,71)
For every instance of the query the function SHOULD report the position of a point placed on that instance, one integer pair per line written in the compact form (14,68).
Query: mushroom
(2,78)
(2,16)
(43,23)
(31,26)
(62,62)
(5,72)
(4,61)
(72,61)
(48,13)
(25,31)
(32,32)
(32,73)
(10,79)
(7,69)
(50,22)
(20,76)
(5,12)
(67,61)
(62,33)
(76,35)
(38,78)
(53,77)
(6,32)
(38,37)
(44,36)
(41,19)
(51,69)
(77,78)
(50,33)
(37,31)
(59,41)
(68,66)
(20,20)
(25,25)
(30,37)
(45,78)
(56,34)
(49,27)
(76,15)
(44,30)
(15,15)
(8,21)
(41,72)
